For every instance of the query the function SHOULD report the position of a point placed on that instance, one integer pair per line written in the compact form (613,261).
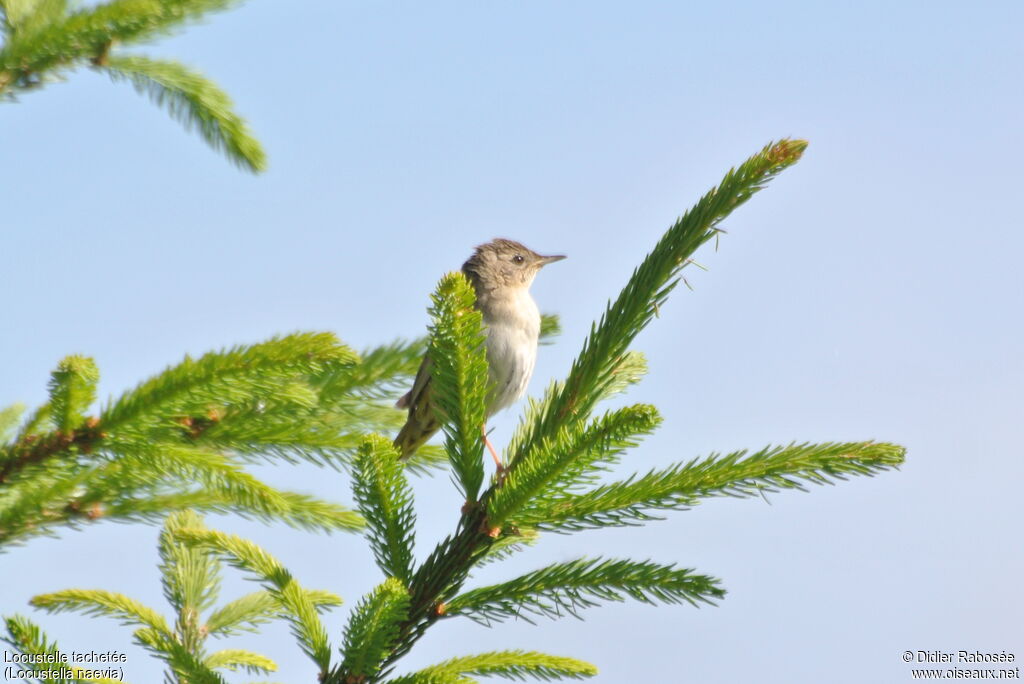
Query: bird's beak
(545,260)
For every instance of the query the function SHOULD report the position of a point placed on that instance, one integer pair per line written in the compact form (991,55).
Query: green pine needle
(301,511)
(383,372)
(459,378)
(432,677)
(246,613)
(221,378)
(596,367)
(385,500)
(9,417)
(28,639)
(569,458)
(86,33)
(186,665)
(427,460)
(104,603)
(72,391)
(737,474)
(43,39)
(518,665)
(195,101)
(373,628)
(190,577)
(566,588)
(39,421)
(297,605)
(214,472)
(237,659)
(550,328)
(16,13)
(508,544)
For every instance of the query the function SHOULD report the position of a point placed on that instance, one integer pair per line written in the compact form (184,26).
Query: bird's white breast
(513,327)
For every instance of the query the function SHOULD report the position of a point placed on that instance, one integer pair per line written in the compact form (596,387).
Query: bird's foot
(499,468)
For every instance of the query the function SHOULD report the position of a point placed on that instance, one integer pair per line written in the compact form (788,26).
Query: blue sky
(873,291)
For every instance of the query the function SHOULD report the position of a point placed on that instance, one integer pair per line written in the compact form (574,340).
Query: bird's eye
(518,258)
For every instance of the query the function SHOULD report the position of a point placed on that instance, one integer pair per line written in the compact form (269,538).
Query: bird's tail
(410,438)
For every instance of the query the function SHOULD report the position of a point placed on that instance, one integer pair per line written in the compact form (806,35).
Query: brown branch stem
(34,449)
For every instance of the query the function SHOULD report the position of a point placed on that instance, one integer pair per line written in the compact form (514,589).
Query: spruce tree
(305,396)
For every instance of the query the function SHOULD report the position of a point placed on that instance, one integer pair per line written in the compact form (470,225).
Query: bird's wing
(421,423)
(419,386)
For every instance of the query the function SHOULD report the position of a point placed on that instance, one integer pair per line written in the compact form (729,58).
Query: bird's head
(503,263)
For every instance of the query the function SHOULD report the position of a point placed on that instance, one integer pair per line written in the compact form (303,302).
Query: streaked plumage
(501,272)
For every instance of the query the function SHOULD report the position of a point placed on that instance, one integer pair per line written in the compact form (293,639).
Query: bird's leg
(490,447)
(494,454)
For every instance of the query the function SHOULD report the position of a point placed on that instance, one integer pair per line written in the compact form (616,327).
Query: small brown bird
(501,272)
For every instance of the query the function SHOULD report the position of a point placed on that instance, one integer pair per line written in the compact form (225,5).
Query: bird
(501,272)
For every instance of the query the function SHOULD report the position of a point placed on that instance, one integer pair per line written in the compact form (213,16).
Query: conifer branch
(506,664)
(190,579)
(17,13)
(648,288)
(105,603)
(629,370)
(223,377)
(427,460)
(300,510)
(190,575)
(459,378)
(9,417)
(33,449)
(550,328)
(147,484)
(28,639)
(432,677)
(185,401)
(383,372)
(186,665)
(44,38)
(372,631)
(72,392)
(297,605)
(37,423)
(737,474)
(86,33)
(385,500)
(246,613)
(195,101)
(570,456)
(565,588)
(508,544)
(234,658)
(177,439)
(437,579)
(214,472)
